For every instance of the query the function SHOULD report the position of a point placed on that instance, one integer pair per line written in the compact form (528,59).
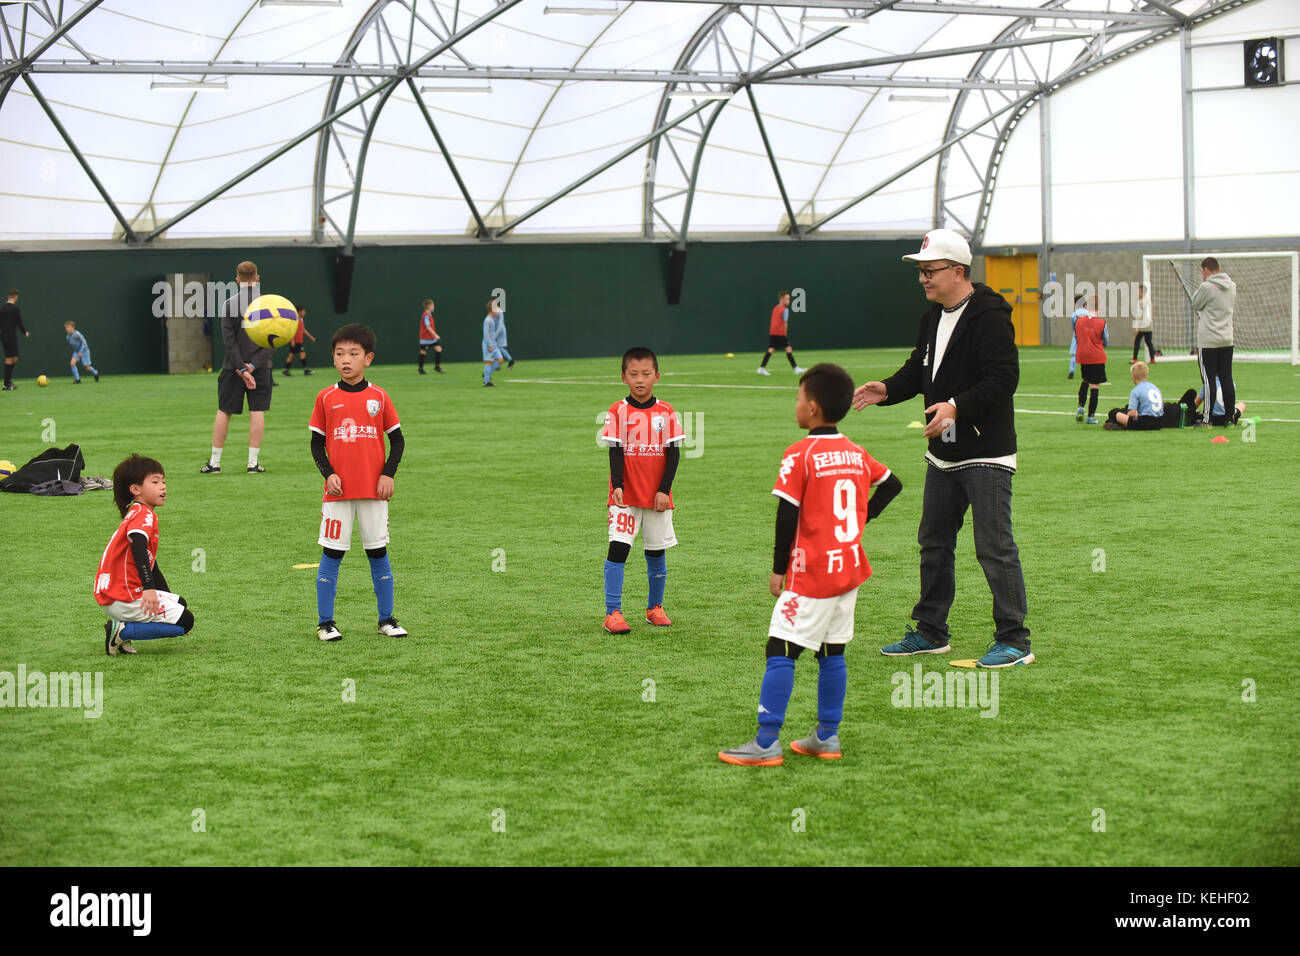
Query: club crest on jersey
(372,406)
(657,423)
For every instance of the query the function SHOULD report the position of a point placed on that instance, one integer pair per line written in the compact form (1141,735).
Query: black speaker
(343,264)
(676,273)
(1263,61)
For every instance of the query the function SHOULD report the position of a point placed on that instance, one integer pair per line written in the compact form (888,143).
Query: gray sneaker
(752,755)
(812,746)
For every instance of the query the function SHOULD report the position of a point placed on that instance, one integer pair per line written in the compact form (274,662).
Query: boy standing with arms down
(80,352)
(129,585)
(429,338)
(348,426)
(296,347)
(644,436)
(1093,336)
(823,483)
(778,334)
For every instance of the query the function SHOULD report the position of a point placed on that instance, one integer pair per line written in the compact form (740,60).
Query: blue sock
(91,370)
(657,570)
(506,355)
(613,585)
(381,572)
(327,585)
(778,685)
(150,630)
(76,375)
(832,680)
(487,372)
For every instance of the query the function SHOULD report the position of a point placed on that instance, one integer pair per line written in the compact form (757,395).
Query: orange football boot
(657,617)
(615,624)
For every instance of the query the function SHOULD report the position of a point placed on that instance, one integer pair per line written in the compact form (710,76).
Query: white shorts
(811,622)
(337,518)
(656,527)
(172,609)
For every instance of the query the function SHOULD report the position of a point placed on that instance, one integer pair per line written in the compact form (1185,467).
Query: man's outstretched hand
(872,393)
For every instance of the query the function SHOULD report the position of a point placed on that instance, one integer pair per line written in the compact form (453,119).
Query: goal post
(1266,317)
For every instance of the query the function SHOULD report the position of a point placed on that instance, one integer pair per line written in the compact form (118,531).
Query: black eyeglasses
(929,273)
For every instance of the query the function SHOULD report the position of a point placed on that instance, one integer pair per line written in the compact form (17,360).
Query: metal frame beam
(911,6)
(771,158)
(446,155)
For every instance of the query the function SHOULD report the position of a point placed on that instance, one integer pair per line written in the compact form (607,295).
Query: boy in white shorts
(823,484)
(348,426)
(129,586)
(644,436)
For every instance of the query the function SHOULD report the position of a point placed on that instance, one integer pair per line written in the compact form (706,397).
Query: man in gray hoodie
(1213,303)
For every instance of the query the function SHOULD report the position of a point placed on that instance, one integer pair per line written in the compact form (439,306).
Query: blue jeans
(986,491)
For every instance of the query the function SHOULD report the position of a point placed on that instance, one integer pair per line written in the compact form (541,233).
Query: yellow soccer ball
(7,468)
(271,321)
(42,381)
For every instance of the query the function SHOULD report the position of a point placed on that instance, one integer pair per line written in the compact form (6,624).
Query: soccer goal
(1266,320)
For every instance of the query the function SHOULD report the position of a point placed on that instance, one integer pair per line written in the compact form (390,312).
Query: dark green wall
(563,300)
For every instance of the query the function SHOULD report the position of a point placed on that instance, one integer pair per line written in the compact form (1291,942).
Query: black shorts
(1093,374)
(1145,423)
(10,343)
(231,392)
(295,348)
(777,342)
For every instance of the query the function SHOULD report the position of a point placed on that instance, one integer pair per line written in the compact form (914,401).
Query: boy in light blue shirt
(80,352)
(493,330)
(1146,406)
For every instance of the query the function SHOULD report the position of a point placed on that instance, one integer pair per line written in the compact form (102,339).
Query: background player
(129,585)
(823,484)
(348,426)
(80,352)
(11,323)
(491,347)
(643,435)
(1146,406)
(246,369)
(1093,337)
(296,347)
(501,336)
(429,339)
(778,334)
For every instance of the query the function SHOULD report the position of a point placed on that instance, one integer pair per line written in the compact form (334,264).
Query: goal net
(1265,321)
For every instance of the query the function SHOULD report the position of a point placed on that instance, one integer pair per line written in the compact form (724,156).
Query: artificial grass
(509,697)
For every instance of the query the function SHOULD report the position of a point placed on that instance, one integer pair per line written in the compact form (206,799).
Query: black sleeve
(159,581)
(787,523)
(672,458)
(907,381)
(140,555)
(396,445)
(885,492)
(616,466)
(319,456)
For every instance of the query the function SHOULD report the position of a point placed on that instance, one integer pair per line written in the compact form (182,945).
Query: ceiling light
(301,3)
(680,94)
(918,98)
(847,21)
(439,88)
(190,86)
(582,11)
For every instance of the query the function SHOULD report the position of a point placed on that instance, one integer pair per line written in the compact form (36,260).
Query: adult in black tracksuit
(11,323)
(965,366)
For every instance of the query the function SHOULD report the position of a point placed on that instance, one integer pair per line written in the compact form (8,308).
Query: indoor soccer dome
(326,121)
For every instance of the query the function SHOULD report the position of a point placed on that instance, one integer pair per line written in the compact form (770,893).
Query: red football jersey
(830,479)
(354,425)
(779,323)
(1088,330)
(643,434)
(297,336)
(117,578)
(426,327)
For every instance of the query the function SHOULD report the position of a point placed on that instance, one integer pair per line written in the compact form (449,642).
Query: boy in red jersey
(778,328)
(1093,338)
(823,484)
(429,338)
(348,426)
(129,585)
(296,347)
(643,435)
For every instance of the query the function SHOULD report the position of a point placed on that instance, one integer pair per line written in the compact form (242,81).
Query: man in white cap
(966,367)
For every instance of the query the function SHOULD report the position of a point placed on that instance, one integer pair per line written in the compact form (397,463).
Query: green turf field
(509,705)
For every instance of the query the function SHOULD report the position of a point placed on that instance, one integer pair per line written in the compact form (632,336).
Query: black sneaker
(307,371)
(286,371)
(76,381)
(255,469)
(96,376)
(489,385)
(440,370)
(328,631)
(512,364)
(11,387)
(210,469)
(423,372)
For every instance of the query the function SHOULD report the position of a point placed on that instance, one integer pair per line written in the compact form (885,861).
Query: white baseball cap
(942,244)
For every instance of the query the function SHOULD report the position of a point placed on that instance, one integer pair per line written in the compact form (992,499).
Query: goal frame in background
(1281,354)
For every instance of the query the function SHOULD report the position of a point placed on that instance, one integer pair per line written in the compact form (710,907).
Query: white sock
(216,457)
(252,457)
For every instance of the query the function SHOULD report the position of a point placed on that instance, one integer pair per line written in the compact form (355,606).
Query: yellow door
(1015,278)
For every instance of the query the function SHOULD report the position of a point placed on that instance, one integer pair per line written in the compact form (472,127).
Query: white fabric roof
(157,152)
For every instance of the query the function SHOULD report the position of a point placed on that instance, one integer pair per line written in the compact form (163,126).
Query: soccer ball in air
(42,381)
(271,321)
(7,468)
